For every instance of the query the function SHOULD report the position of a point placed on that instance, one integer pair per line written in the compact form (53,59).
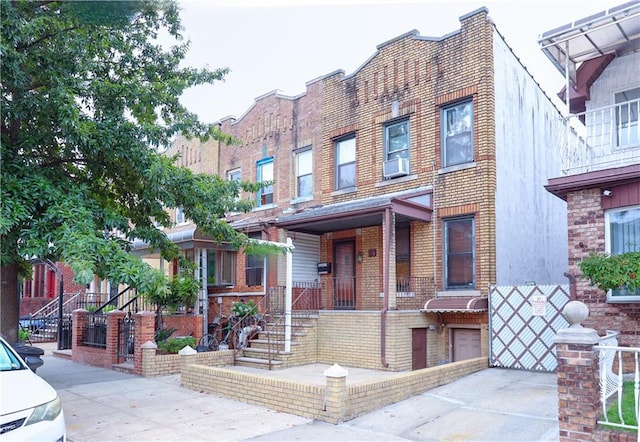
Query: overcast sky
(278,44)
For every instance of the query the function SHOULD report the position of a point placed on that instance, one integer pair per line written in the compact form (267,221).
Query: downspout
(385,282)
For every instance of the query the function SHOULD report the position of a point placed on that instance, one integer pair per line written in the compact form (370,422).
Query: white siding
(306,256)
(531,223)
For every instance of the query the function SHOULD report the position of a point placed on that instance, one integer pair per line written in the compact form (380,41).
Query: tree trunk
(9,303)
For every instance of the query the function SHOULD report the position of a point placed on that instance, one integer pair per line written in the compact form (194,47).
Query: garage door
(466,343)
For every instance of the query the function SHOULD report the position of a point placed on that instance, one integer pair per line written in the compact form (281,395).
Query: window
(234,175)
(459,253)
(346,163)
(457,130)
(396,140)
(221,267)
(254,266)
(627,104)
(304,173)
(180,218)
(622,234)
(265,173)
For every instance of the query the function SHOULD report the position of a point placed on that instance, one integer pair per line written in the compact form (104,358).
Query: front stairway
(256,354)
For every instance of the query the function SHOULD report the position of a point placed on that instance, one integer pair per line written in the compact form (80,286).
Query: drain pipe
(385,282)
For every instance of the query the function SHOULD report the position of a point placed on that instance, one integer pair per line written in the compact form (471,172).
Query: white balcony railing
(613,376)
(601,139)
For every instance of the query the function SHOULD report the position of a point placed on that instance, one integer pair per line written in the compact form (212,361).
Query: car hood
(22,389)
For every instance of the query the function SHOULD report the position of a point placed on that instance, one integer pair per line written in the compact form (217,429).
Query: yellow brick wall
(314,401)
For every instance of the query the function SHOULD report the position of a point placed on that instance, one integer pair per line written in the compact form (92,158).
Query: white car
(30,409)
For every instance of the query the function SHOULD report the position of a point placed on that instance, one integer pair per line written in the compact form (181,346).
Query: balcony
(601,139)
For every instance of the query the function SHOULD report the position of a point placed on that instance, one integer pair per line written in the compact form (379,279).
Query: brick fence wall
(334,402)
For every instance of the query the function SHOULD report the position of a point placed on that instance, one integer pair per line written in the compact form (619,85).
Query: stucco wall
(531,225)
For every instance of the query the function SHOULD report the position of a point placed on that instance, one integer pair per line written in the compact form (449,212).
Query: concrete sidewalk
(495,404)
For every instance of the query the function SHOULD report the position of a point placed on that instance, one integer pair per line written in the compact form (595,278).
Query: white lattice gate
(523,321)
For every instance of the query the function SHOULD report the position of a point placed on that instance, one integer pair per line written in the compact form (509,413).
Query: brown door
(344,281)
(466,343)
(418,348)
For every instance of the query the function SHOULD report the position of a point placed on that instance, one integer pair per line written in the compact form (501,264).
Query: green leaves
(612,272)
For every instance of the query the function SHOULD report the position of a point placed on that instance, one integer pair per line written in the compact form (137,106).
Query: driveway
(494,404)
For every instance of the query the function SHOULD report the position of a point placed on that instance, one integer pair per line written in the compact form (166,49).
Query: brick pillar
(148,359)
(145,330)
(80,321)
(112,335)
(578,386)
(336,393)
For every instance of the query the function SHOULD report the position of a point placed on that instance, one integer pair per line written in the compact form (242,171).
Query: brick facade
(586,235)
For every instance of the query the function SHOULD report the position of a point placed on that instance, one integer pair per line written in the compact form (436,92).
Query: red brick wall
(186,325)
(586,234)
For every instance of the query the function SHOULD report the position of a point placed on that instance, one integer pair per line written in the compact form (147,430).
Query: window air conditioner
(395,168)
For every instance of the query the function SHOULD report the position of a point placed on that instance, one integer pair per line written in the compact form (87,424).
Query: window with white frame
(622,235)
(459,253)
(627,128)
(234,175)
(221,267)
(457,134)
(345,163)
(304,173)
(265,173)
(396,140)
(180,218)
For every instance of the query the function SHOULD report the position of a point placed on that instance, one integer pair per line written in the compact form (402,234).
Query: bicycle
(209,341)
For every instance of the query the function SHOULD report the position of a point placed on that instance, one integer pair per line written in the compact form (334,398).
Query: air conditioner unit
(395,168)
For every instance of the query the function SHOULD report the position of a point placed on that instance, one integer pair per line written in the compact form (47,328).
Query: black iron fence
(95,332)
(126,343)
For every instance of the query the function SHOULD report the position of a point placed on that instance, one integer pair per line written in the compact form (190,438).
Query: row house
(599,56)
(408,187)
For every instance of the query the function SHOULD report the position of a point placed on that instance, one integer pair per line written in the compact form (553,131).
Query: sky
(283,44)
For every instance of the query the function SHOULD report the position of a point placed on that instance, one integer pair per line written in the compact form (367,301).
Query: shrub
(611,272)
(174,345)
(23,334)
(241,309)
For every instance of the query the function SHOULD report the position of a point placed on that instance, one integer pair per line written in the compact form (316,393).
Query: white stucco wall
(531,223)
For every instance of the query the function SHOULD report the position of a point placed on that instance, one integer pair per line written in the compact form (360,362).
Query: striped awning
(461,304)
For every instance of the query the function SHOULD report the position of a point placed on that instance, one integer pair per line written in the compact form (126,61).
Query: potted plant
(610,272)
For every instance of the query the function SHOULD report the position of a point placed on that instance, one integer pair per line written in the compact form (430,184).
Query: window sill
(344,191)
(402,179)
(264,207)
(457,167)
(303,199)
(458,293)
(624,300)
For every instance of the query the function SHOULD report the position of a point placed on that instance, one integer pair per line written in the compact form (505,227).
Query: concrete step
(245,361)
(263,353)
(275,344)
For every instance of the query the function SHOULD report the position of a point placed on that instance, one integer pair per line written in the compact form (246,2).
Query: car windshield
(8,360)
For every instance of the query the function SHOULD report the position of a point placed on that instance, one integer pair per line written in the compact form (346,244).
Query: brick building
(601,171)
(408,187)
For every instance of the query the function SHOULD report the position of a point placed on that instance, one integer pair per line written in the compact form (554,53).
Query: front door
(344,281)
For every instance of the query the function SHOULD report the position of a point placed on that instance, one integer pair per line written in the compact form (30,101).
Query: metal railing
(618,365)
(95,332)
(411,292)
(126,342)
(602,138)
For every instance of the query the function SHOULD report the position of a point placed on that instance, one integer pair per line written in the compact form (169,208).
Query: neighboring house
(45,284)
(601,171)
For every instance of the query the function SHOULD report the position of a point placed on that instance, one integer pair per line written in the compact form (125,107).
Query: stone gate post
(577,371)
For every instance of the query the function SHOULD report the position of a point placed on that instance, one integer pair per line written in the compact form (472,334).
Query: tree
(89,97)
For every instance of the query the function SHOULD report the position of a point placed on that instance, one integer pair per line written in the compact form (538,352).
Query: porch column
(389,260)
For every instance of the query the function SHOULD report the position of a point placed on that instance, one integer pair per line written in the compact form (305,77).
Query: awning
(461,304)
(614,31)
(408,205)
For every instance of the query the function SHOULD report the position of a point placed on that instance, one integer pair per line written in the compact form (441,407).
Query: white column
(287,296)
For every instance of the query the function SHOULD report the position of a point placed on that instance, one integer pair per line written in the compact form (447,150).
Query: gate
(523,320)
